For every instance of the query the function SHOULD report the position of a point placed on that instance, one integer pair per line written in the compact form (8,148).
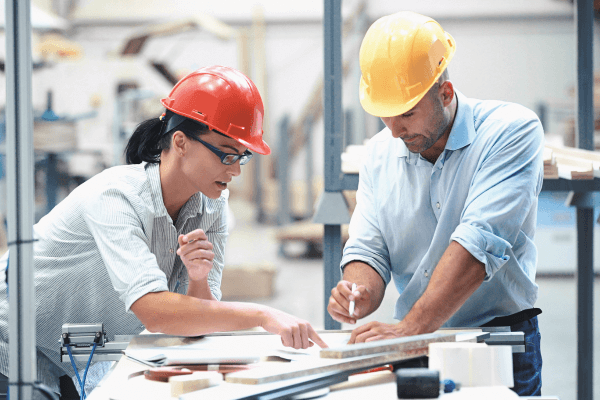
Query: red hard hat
(225,100)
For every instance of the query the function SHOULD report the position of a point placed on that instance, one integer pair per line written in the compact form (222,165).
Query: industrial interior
(101,67)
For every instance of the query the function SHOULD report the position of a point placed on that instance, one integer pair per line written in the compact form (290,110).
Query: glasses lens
(229,159)
(245,158)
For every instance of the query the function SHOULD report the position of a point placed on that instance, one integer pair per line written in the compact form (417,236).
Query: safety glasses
(226,158)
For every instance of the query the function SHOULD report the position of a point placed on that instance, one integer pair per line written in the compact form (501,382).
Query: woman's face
(204,169)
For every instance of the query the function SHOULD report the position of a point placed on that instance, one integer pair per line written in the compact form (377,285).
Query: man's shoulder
(500,111)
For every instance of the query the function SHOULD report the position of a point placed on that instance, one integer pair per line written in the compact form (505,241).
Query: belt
(513,319)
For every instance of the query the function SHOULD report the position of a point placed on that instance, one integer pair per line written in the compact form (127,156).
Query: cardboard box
(248,281)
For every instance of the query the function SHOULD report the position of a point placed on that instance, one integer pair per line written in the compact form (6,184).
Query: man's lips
(410,139)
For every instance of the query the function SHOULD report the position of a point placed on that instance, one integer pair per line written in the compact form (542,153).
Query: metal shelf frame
(583,195)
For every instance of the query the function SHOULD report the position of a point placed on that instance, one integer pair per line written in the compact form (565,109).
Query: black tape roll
(418,383)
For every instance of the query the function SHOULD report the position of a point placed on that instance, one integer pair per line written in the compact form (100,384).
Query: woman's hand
(294,331)
(196,253)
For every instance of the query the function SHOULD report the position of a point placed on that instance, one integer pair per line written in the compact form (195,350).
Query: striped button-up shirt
(110,242)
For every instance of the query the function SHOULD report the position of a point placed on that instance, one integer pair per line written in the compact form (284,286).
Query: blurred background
(101,67)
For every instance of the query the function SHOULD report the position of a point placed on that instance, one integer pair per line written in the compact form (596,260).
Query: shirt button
(437,204)
(171,251)
(426,274)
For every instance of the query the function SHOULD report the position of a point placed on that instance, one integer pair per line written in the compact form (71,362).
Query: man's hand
(378,331)
(196,254)
(294,331)
(339,302)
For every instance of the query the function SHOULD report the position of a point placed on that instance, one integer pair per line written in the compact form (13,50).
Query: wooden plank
(297,369)
(389,345)
(344,358)
(574,168)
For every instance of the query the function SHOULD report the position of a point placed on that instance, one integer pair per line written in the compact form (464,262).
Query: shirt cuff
(143,285)
(383,272)
(486,247)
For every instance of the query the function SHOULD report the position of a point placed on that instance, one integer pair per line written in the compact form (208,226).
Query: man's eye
(408,114)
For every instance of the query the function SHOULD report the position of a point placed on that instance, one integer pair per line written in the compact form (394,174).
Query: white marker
(351,310)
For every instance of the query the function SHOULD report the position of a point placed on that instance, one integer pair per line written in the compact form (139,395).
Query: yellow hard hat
(401,56)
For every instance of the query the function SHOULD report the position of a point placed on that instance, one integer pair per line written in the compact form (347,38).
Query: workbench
(124,381)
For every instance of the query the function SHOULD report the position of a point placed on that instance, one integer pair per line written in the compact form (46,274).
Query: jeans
(527,367)
(66,386)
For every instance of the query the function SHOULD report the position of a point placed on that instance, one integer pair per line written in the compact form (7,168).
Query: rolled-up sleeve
(366,243)
(502,192)
(113,219)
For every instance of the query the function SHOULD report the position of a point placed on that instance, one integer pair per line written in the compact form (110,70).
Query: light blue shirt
(481,192)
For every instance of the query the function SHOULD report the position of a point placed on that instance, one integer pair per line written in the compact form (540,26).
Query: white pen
(351,310)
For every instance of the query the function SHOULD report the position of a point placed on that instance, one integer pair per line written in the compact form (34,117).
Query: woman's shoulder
(127,180)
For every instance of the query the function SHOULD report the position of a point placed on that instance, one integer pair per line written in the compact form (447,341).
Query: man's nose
(395,126)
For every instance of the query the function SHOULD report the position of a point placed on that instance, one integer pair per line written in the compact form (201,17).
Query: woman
(141,246)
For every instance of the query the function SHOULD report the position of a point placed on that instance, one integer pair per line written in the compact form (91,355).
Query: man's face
(423,125)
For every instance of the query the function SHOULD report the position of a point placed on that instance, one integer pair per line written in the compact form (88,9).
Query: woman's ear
(179,143)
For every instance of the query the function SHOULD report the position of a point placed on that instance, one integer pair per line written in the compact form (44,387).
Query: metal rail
(20,209)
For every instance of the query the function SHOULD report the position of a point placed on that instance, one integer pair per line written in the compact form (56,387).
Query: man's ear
(447,92)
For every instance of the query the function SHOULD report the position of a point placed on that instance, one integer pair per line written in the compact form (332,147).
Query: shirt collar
(192,207)
(463,129)
(153,173)
(461,134)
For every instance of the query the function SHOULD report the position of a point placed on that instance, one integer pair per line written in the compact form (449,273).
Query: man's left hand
(378,331)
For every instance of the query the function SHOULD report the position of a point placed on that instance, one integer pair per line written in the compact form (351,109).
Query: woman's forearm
(182,315)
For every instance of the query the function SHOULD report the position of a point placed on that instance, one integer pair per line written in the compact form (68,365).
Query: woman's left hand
(196,253)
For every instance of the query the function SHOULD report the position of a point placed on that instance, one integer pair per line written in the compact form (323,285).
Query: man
(447,199)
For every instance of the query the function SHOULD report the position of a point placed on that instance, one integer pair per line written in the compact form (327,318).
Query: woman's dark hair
(153,136)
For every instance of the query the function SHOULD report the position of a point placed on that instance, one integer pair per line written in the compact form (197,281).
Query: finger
(342,317)
(345,288)
(362,337)
(361,292)
(338,313)
(304,337)
(340,300)
(358,331)
(375,338)
(195,235)
(199,254)
(286,339)
(194,252)
(314,336)
(296,338)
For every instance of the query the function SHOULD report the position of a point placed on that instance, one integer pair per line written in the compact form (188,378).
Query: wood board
(369,355)
(297,369)
(389,345)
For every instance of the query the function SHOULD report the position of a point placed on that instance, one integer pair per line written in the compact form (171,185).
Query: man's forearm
(362,274)
(456,277)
